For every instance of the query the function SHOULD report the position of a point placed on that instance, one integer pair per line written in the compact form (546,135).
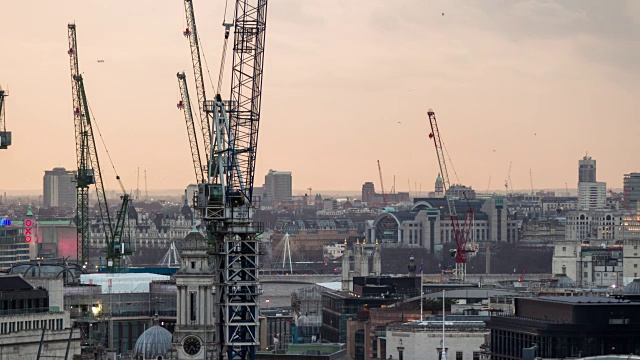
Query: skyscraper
(587,170)
(59,188)
(277,186)
(368,191)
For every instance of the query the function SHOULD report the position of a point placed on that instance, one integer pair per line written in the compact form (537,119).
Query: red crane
(460,232)
(384,195)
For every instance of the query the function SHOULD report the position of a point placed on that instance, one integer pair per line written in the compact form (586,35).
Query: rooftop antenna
(146,191)
(444,352)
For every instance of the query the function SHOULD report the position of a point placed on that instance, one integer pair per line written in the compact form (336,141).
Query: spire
(29,212)
(439,178)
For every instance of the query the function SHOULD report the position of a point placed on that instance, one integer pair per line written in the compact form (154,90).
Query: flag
(420,268)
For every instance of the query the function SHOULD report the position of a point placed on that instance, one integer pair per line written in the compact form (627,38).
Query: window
(193,264)
(635,266)
(564,248)
(586,274)
(458,355)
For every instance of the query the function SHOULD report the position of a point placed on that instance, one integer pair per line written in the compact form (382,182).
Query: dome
(563,282)
(193,241)
(154,342)
(632,288)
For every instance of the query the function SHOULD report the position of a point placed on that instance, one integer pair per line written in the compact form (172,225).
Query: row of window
(15,326)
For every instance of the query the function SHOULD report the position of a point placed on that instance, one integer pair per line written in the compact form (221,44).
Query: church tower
(193,336)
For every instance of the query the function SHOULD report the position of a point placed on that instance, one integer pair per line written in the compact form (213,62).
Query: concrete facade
(423,341)
(59,188)
(565,258)
(592,195)
(278,186)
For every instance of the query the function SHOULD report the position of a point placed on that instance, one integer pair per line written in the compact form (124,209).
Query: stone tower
(377,260)
(439,187)
(194,333)
(346,268)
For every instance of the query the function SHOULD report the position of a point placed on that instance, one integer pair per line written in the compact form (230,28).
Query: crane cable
(103,143)
(450,162)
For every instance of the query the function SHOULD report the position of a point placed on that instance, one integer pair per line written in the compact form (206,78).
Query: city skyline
(538,111)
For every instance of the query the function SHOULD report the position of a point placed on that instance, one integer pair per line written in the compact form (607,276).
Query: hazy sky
(345,83)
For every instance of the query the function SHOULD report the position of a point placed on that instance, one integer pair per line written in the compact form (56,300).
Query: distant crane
(384,195)
(185,105)
(89,173)
(191,33)
(5,136)
(509,176)
(461,233)
(531,179)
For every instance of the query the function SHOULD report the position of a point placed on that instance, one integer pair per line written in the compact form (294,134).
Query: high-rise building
(631,191)
(587,170)
(277,186)
(368,191)
(591,194)
(59,187)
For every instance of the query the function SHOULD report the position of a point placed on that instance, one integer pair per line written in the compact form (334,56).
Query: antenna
(138,185)
(146,192)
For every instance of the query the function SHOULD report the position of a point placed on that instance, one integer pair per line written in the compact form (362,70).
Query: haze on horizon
(346,83)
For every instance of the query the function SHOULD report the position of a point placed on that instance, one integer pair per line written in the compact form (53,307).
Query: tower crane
(185,105)
(384,195)
(89,173)
(191,33)
(5,136)
(225,198)
(460,232)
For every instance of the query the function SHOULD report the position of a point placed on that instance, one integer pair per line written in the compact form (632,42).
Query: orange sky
(346,83)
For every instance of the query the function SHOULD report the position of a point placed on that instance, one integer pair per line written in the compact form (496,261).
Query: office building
(368,191)
(591,194)
(29,320)
(277,186)
(59,188)
(566,327)
(464,338)
(631,191)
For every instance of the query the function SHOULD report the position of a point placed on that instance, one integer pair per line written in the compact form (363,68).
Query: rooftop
(586,300)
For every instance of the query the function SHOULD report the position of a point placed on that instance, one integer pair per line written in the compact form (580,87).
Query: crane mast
(185,105)
(191,33)
(5,136)
(89,172)
(225,200)
(461,233)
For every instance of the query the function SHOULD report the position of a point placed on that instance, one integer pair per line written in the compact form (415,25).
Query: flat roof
(586,300)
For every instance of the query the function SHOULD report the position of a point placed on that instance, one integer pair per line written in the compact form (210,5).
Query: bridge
(485,279)
(299,279)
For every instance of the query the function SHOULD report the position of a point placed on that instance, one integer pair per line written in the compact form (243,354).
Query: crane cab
(210,195)
(85,178)
(5,139)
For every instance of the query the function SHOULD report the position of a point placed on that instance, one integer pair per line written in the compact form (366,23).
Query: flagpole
(421,291)
(444,353)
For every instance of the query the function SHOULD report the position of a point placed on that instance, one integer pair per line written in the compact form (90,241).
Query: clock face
(191,345)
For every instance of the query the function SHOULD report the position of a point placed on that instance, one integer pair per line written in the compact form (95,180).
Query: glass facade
(13,248)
